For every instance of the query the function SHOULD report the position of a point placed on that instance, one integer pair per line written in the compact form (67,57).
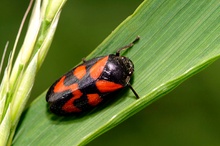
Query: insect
(88,84)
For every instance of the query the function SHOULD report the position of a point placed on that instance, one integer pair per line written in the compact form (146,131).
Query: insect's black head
(118,69)
(127,65)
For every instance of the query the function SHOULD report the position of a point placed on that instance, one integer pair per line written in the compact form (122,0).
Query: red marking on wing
(97,69)
(80,72)
(60,87)
(94,99)
(107,86)
(69,105)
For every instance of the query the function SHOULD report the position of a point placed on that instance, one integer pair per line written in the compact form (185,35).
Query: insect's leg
(127,46)
(83,59)
(132,89)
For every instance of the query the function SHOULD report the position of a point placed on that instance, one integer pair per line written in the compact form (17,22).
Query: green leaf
(178,39)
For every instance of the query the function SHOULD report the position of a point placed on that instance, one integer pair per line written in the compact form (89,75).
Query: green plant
(178,39)
(19,78)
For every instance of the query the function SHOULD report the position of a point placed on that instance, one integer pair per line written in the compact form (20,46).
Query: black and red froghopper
(86,85)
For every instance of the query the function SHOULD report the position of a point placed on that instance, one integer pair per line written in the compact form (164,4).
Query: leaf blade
(176,38)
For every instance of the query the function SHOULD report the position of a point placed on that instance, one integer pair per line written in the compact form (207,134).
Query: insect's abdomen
(85,86)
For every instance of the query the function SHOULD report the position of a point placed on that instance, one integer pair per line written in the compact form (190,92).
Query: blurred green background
(189,115)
